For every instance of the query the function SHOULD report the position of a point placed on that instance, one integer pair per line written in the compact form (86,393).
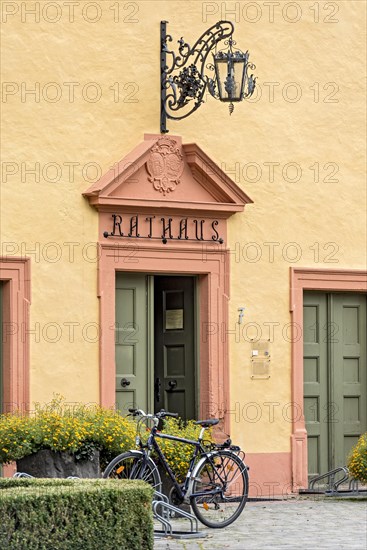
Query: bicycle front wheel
(220,489)
(134,465)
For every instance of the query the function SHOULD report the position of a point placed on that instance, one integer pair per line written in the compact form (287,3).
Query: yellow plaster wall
(323,53)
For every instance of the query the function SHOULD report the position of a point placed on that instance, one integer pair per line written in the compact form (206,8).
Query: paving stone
(302,524)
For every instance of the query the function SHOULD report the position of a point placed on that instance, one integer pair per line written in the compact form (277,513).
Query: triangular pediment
(161,172)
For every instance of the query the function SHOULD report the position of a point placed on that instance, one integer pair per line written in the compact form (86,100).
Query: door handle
(157,389)
(172,384)
(125,382)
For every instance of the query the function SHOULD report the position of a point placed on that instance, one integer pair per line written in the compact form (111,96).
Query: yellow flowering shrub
(113,432)
(83,429)
(16,438)
(357,461)
(79,430)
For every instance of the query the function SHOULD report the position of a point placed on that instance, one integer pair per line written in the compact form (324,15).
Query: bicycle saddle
(207,423)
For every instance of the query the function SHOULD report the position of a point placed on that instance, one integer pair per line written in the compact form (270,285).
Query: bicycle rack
(353,486)
(332,486)
(23,474)
(163,511)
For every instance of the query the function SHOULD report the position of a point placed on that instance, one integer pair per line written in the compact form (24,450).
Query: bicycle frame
(184,492)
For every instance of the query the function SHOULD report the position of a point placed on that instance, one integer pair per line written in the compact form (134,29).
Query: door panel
(131,348)
(348,370)
(174,355)
(335,376)
(315,381)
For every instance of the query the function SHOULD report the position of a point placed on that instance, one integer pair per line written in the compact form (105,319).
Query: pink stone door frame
(212,270)
(15,276)
(332,280)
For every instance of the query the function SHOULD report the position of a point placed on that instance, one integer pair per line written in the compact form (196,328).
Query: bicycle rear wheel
(221,485)
(134,465)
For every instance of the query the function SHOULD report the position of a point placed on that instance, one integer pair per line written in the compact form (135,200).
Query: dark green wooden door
(132,358)
(335,376)
(174,343)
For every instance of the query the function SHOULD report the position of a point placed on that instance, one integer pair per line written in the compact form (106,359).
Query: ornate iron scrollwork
(183,78)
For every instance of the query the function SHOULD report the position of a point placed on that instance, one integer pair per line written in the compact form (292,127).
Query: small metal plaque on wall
(260,368)
(260,359)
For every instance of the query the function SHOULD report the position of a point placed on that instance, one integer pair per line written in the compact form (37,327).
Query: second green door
(335,377)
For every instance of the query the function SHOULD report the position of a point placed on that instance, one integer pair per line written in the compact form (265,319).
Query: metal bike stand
(162,510)
(331,485)
(19,475)
(335,488)
(353,486)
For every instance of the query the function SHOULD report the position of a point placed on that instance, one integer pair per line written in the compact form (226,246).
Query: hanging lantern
(231,71)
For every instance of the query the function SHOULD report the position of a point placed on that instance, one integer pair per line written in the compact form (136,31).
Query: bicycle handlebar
(161,414)
(136,412)
(164,413)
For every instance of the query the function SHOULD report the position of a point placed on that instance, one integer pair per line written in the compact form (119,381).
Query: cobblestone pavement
(289,524)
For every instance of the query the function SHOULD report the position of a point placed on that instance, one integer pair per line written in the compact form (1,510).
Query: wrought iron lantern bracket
(184,78)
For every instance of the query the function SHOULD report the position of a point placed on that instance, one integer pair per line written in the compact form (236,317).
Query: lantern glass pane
(238,68)
(229,74)
(221,73)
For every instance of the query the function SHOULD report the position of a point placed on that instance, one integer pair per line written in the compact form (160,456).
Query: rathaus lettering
(164,228)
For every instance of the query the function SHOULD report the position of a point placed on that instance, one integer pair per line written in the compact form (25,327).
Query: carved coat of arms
(165,165)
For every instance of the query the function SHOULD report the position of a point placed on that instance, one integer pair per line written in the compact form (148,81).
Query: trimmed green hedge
(64,514)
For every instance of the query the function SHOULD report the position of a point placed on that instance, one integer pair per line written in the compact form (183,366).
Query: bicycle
(216,483)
